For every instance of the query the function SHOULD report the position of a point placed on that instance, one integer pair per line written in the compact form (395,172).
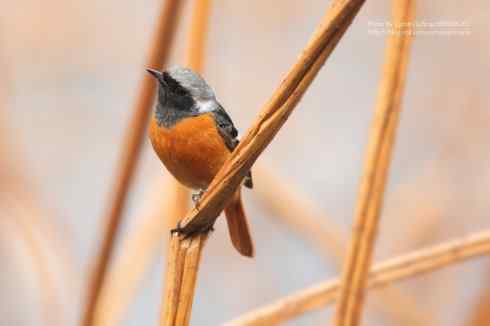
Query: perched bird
(193,136)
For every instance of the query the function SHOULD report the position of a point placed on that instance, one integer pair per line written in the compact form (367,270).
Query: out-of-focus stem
(133,141)
(377,162)
(184,255)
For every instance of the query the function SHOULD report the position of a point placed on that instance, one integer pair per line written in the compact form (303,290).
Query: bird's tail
(238,226)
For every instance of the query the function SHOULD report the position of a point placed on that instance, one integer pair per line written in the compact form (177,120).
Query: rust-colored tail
(238,226)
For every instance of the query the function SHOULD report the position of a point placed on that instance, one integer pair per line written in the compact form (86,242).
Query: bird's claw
(189,233)
(197,197)
(178,229)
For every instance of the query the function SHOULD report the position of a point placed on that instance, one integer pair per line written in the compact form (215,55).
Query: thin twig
(370,199)
(310,222)
(382,274)
(184,255)
(133,141)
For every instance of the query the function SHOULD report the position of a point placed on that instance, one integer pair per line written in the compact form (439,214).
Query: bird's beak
(159,76)
(155,73)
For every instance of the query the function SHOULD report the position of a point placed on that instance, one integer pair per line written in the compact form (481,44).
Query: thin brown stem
(168,201)
(382,274)
(21,219)
(480,314)
(181,275)
(300,213)
(274,115)
(20,207)
(198,35)
(378,156)
(133,141)
(309,221)
(184,255)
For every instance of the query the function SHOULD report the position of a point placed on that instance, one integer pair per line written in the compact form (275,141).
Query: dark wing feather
(229,133)
(226,128)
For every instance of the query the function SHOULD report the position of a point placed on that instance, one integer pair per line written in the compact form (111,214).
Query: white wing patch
(206,106)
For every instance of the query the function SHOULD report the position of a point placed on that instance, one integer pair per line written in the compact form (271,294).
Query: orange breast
(192,150)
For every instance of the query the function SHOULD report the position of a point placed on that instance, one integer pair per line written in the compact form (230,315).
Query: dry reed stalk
(140,247)
(274,114)
(12,176)
(20,205)
(19,217)
(181,276)
(300,213)
(382,274)
(178,205)
(181,260)
(198,35)
(184,256)
(370,199)
(133,141)
(49,251)
(309,221)
(167,203)
(161,216)
(480,314)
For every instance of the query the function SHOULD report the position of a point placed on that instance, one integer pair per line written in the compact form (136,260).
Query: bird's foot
(178,229)
(197,197)
(189,233)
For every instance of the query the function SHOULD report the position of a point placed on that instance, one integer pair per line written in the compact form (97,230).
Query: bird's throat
(168,116)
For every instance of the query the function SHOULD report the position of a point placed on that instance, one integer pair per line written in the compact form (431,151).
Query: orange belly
(192,150)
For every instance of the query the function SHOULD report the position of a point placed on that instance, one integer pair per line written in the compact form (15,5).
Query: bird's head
(181,87)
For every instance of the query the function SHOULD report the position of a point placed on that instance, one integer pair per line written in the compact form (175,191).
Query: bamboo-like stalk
(480,314)
(162,212)
(309,221)
(19,204)
(198,35)
(181,276)
(16,213)
(370,199)
(382,274)
(133,141)
(274,115)
(184,255)
(300,213)
(175,206)
(167,203)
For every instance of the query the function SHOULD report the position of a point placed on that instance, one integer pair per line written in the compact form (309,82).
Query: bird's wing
(229,134)
(226,128)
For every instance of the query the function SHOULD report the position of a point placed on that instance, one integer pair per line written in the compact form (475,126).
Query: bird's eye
(174,86)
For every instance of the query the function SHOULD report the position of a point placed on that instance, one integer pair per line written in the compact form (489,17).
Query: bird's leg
(197,197)
(201,229)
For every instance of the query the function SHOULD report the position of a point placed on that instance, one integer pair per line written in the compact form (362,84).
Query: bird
(193,136)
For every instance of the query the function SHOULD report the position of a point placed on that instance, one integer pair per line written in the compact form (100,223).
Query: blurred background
(69,72)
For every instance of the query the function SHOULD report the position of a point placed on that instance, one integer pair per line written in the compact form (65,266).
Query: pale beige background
(74,66)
